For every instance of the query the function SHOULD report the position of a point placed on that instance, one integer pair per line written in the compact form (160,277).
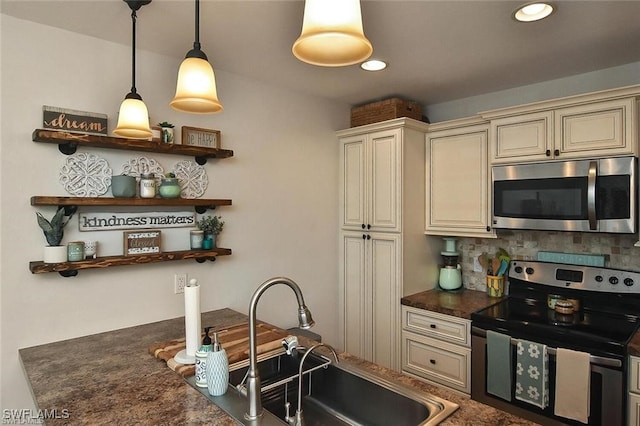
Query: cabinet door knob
(368,237)
(556,152)
(364,237)
(488,229)
(432,361)
(548,153)
(432,325)
(363,226)
(368,226)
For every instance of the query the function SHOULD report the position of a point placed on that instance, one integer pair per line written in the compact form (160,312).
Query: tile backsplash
(618,249)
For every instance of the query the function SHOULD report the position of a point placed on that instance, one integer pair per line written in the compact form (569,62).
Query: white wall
(282,180)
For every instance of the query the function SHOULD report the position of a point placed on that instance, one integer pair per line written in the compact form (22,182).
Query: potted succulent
(53,232)
(212,226)
(169,186)
(166,132)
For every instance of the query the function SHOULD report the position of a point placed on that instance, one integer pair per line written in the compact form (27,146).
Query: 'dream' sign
(74,121)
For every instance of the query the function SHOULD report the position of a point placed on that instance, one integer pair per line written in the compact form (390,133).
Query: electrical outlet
(179,282)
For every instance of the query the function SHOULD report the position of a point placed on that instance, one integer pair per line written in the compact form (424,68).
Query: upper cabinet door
(371,167)
(522,138)
(458,183)
(596,130)
(353,171)
(384,180)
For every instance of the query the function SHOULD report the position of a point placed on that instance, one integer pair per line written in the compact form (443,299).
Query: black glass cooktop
(587,330)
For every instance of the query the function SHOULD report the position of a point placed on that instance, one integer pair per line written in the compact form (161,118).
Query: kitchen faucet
(253,377)
(297,419)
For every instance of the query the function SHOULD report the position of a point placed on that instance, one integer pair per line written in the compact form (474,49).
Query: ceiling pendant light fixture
(133,118)
(332,34)
(196,88)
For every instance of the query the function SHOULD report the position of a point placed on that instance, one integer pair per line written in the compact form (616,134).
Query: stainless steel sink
(334,394)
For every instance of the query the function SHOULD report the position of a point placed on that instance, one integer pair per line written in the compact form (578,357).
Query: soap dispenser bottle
(201,359)
(217,369)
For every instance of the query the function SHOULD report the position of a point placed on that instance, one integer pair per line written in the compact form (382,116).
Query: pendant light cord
(196,41)
(133,53)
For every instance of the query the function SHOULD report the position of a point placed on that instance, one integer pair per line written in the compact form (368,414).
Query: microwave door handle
(591,195)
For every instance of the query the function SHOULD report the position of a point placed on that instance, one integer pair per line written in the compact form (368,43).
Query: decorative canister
(147,186)
(123,186)
(196,239)
(495,285)
(90,249)
(75,251)
(169,188)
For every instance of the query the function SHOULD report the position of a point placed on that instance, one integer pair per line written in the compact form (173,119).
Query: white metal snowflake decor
(192,177)
(143,165)
(85,175)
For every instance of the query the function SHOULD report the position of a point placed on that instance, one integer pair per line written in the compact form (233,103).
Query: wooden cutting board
(234,340)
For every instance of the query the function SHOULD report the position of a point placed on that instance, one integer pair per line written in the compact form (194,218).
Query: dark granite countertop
(110,378)
(458,304)
(634,345)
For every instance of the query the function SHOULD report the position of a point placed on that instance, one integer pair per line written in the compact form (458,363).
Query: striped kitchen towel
(532,373)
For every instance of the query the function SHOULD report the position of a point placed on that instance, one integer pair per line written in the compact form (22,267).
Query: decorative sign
(200,137)
(89,221)
(143,242)
(74,121)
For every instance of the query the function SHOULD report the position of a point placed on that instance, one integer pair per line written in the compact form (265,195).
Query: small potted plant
(53,232)
(166,132)
(170,186)
(212,226)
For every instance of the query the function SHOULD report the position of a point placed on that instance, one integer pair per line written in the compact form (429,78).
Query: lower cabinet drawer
(437,361)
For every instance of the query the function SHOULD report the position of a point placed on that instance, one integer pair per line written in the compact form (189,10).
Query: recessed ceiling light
(533,12)
(373,65)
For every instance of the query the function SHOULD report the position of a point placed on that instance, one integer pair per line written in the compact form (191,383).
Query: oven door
(607,388)
(587,196)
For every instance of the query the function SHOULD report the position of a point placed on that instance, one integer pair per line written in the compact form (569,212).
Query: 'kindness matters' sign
(89,221)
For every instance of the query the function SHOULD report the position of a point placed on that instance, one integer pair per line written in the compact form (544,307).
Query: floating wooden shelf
(68,142)
(69,269)
(201,204)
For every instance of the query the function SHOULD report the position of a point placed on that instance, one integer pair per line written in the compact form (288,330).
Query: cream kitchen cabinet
(588,126)
(458,181)
(633,417)
(383,252)
(437,347)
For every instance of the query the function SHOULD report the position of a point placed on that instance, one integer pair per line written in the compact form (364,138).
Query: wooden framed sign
(200,137)
(74,121)
(141,242)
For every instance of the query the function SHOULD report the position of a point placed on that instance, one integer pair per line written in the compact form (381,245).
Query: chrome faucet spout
(298,419)
(253,377)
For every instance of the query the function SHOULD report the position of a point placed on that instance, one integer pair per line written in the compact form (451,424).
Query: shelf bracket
(203,209)
(68,148)
(69,273)
(201,160)
(204,259)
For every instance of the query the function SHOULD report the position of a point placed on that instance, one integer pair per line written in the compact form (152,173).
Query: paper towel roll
(192,325)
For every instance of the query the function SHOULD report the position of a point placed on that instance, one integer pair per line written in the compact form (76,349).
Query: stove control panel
(576,276)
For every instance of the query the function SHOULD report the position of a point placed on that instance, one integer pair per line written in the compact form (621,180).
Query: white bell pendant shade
(196,88)
(133,119)
(332,34)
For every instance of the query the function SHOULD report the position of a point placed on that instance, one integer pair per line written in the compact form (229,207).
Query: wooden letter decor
(200,137)
(143,242)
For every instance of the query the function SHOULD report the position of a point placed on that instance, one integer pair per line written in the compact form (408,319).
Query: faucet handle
(287,406)
(290,343)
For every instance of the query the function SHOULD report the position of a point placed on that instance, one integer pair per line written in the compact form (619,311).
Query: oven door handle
(593,359)
(591,195)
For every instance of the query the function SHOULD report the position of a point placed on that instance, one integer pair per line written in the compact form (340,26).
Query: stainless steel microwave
(584,195)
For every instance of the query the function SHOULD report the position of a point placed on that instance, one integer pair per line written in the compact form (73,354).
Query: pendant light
(332,34)
(133,118)
(196,89)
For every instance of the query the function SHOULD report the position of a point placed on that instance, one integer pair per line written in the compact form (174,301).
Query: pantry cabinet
(587,126)
(437,347)
(383,253)
(458,180)
(634,392)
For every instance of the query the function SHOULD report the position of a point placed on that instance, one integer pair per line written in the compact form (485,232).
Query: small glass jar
(147,186)
(75,251)
(196,239)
